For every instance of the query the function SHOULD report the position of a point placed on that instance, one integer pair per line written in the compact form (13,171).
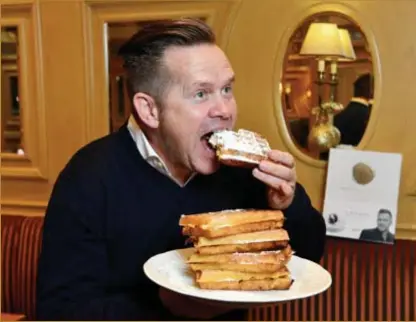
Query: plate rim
(170,286)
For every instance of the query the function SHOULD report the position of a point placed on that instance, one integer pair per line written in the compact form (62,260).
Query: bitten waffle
(242,148)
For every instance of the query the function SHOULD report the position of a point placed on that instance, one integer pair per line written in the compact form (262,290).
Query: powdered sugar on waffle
(243,140)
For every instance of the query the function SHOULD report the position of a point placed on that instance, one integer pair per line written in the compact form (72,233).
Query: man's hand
(187,307)
(279,174)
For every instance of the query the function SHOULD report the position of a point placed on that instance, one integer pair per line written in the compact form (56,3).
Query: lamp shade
(348,49)
(322,39)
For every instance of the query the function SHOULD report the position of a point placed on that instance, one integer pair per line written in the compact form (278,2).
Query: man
(352,120)
(118,200)
(381,233)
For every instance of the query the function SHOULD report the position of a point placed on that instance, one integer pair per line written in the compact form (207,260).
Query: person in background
(352,120)
(118,200)
(381,233)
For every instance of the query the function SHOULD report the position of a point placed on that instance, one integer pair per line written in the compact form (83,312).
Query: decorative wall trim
(406,231)
(22,173)
(24,15)
(27,208)
(412,189)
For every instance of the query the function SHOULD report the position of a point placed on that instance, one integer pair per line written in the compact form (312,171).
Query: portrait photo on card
(361,195)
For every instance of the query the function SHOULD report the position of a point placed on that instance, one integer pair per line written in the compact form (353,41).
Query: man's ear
(146,109)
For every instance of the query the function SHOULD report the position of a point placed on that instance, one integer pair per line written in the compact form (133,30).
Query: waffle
(243,258)
(239,148)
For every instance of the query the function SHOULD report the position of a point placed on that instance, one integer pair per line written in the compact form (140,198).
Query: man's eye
(227,89)
(200,95)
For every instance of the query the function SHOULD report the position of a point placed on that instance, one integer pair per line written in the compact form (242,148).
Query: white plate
(170,271)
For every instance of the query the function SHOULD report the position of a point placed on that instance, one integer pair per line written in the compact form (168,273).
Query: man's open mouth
(205,138)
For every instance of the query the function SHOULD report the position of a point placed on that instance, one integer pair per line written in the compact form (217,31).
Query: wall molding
(406,231)
(25,208)
(34,164)
(412,189)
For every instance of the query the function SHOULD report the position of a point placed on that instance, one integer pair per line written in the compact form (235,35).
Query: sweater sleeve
(306,226)
(74,266)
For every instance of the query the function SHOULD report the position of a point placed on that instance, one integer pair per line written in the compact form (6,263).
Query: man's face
(199,100)
(383,221)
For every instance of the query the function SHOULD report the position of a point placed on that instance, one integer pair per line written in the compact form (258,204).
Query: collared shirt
(360,100)
(148,153)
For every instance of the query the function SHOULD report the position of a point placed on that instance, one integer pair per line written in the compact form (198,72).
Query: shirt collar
(360,100)
(148,153)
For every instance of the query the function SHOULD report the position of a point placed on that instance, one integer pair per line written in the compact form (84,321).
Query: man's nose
(221,109)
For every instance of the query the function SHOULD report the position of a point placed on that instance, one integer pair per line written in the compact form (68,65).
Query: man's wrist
(279,205)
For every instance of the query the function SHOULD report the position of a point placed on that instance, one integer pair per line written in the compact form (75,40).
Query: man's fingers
(277,170)
(286,188)
(272,181)
(282,157)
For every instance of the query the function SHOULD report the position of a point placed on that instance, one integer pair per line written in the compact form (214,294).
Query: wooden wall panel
(24,177)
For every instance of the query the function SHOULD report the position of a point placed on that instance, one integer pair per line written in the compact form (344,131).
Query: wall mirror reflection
(120,105)
(11,129)
(327,84)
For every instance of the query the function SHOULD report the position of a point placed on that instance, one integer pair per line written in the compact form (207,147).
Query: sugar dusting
(242,140)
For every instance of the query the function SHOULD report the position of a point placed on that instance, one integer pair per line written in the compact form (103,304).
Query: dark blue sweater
(110,211)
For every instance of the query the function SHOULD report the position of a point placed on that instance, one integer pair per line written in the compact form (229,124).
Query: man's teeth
(206,136)
(215,131)
(209,136)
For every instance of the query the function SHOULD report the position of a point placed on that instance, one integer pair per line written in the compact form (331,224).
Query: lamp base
(323,137)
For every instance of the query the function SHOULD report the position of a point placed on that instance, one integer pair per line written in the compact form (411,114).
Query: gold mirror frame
(313,10)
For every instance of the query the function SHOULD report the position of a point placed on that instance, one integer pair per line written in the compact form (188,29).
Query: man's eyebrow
(207,84)
(201,83)
(231,80)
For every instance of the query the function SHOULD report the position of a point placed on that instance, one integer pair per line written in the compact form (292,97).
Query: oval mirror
(327,84)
